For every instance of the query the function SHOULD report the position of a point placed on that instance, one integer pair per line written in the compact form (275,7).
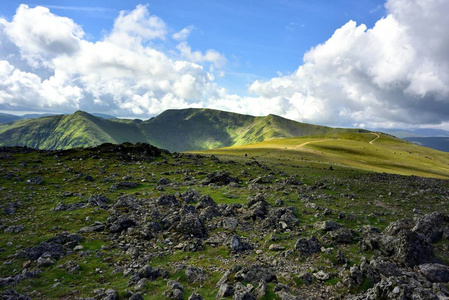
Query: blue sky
(349,63)
(258,38)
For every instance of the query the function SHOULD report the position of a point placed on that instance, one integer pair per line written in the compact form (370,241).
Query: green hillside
(175,130)
(67,131)
(364,151)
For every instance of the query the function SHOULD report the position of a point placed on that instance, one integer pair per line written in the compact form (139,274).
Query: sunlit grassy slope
(348,150)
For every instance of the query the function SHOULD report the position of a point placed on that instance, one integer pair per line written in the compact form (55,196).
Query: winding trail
(310,142)
(377,136)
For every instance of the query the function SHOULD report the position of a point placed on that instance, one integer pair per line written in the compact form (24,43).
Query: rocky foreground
(136,222)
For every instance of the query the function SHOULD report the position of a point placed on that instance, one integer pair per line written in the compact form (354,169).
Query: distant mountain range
(174,130)
(8,118)
(427,137)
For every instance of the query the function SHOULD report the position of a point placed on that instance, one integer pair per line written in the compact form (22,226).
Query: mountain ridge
(175,130)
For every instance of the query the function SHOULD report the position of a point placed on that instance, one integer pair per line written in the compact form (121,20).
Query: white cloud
(396,73)
(183,34)
(211,56)
(122,73)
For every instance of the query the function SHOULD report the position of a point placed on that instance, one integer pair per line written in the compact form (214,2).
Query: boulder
(255,273)
(308,246)
(236,244)
(435,272)
(191,226)
(195,275)
(432,226)
(327,225)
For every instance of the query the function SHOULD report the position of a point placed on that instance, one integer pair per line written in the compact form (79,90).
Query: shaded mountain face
(175,130)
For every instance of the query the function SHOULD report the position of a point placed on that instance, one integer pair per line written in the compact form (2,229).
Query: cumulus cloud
(394,74)
(212,56)
(121,74)
(183,34)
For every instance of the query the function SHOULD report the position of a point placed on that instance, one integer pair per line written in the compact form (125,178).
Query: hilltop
(174,130)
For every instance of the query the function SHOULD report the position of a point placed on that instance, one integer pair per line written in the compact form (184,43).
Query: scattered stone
(96,227)
(219,178)
(195,275)
(195,296)
(435,272)
(342,235)
(276,247)
(255,273)
(125,185)
(261,290)
(191,226)
(35,180)
(99,200)
(14,229)
(69,206)
(327,226)
(121,223)
(321,275)
(308,246)
(225,290)
(236,244)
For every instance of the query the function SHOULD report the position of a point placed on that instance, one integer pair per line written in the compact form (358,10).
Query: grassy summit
(175,130)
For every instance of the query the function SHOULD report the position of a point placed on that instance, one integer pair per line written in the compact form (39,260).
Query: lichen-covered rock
(432,226)
(191,226)
(308,246)
(435,272)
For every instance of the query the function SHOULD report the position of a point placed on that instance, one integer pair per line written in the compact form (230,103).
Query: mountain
(175,130)
(439,143)
(6,118)
(420,132)
(428,137)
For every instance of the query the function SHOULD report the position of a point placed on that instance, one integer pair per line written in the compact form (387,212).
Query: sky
(346,63)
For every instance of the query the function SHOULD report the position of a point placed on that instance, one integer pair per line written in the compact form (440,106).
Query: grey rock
(136,296)
(327,225)
(308,246)
(14,229)
(206,201)
(432,226)
(175,294)
(342,235)
(35,180)
(219,178)
(173,284)
(99,200)
(96,227)
(236,244)
(283,295)
(69,206)
(255,273)
(195,296)
(168,200)
(241,292)
(191,226)
(195,275)
(121,223)
(149,272)
(435,272)
(261,290)
(225,290)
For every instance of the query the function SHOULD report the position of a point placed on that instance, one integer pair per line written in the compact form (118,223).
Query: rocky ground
(136,222)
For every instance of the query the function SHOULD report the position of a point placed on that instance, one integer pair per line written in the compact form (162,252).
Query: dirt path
(310,142)
(377,136)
